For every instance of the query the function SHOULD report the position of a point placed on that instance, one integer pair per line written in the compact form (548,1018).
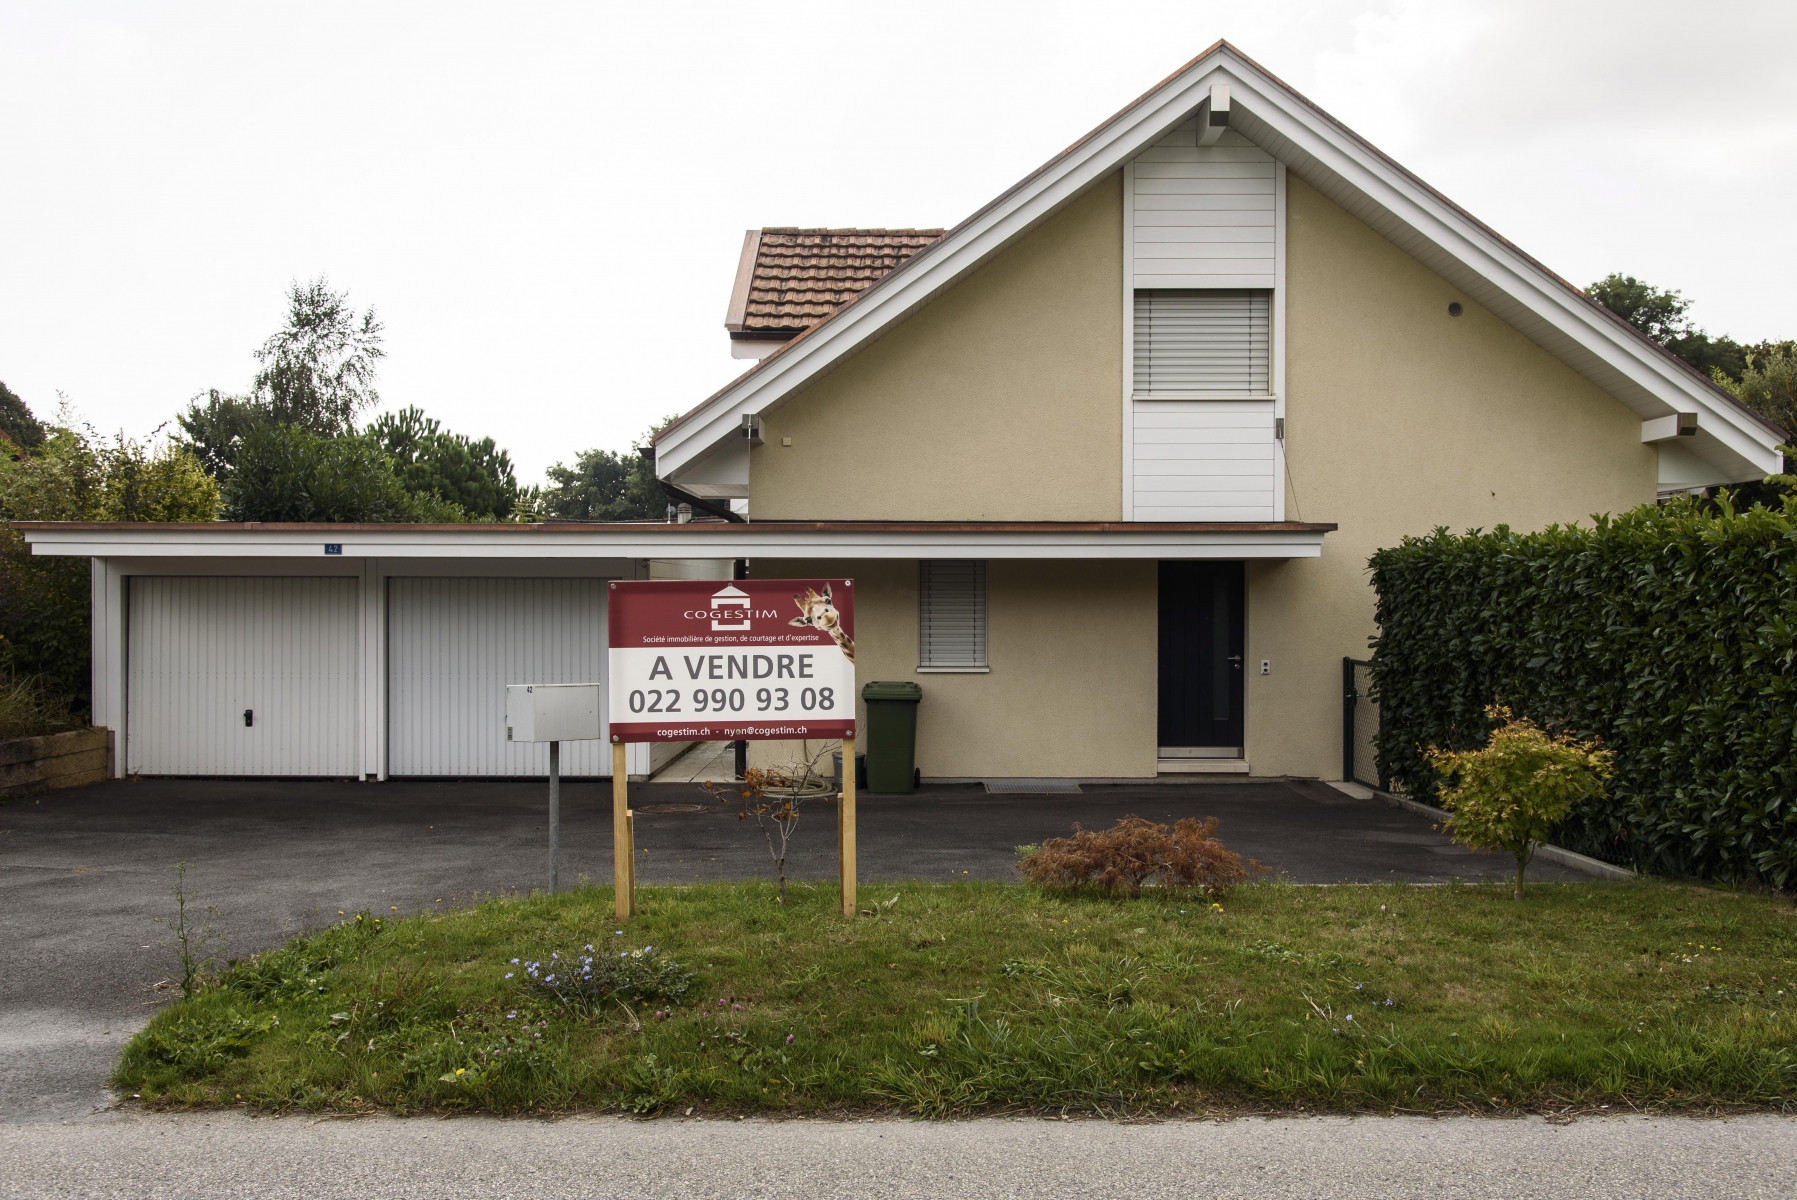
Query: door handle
(1236,659)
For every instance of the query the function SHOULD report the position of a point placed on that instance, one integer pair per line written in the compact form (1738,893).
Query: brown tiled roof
(790,279)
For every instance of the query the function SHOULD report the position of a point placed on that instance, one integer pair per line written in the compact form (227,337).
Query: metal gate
(1360,725)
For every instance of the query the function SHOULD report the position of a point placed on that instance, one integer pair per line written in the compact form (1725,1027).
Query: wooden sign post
(845,827)
(623,835)
(750,660)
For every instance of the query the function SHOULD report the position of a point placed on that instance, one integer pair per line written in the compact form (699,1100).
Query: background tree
(603,485)
(317,373)
(288,473)
(1660,314)
(275,450)
(74,475)
(16,422)
(318,369)
(430,461)
(1768,383)
(212,428)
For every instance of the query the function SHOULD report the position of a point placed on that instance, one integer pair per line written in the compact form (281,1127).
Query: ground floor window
(951,614)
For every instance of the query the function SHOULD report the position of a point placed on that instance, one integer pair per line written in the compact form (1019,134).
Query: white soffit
(721,474)
(1341,165)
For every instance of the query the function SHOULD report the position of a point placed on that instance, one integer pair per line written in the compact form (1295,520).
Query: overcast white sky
(545,203)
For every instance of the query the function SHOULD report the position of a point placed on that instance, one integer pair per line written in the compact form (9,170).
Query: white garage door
(203,652)
(452,647)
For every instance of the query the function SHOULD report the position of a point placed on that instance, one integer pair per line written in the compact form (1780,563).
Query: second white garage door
(452,647)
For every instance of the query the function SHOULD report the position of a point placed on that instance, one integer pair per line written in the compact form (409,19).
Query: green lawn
(968,997)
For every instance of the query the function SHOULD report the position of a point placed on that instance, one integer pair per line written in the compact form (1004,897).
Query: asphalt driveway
(88,875)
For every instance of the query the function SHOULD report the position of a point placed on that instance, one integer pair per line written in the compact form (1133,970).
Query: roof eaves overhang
(921,277)
(1343,166)
(1520,290)
(760,539)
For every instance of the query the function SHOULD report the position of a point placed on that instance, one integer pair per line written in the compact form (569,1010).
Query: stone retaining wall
(56,760)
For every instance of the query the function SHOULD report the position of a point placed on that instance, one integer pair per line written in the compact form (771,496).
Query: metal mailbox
(552,712)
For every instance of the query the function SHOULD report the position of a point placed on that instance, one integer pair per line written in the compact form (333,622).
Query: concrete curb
(1553,854)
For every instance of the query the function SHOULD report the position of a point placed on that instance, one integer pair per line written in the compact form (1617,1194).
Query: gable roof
(791,279)
(1337,162)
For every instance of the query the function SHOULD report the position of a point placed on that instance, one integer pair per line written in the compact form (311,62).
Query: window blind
(1203,342)
(951,613)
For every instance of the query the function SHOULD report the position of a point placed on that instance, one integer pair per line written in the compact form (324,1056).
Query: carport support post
(555,813)
(623,860)
(845,826)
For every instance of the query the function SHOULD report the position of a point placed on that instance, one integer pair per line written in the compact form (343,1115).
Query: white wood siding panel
(1206,185)
(1206,451)
(1204,461)
(1195,224)
(452,647)
(1172,257)
(1177,146)
(1246,276)
(1203,216)
(1218,414)
(1166,210)
(202,650)
(1155,473)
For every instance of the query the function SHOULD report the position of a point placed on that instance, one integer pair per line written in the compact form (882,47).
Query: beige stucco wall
(1400,418)
(1002,399)
(1071,645)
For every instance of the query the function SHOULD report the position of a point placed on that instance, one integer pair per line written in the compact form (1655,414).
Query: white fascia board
(766,540)
(1324,154)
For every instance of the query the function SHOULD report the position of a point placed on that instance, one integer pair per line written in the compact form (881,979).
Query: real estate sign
(704,660)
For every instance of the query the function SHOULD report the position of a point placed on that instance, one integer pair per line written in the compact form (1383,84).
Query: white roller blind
(1203,342)
(951,613)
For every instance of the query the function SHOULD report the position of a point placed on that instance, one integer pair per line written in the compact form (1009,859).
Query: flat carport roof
(699,539)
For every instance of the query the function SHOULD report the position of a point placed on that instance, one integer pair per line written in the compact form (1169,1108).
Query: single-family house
(1105,461)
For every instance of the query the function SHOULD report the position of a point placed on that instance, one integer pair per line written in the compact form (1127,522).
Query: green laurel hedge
(1668,632)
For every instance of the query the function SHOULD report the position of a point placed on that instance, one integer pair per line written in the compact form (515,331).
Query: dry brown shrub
(1123,858)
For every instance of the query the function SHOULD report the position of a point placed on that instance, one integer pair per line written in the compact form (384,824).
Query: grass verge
(983,997)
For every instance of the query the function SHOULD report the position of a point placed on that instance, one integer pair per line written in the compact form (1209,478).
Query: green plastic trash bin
(891,736)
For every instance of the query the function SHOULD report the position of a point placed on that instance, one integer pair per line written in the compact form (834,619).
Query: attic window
(1203,342)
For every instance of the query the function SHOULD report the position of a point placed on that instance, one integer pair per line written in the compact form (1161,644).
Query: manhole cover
(672,808)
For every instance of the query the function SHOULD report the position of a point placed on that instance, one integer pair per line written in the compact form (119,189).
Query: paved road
(86,876)
(227,1155)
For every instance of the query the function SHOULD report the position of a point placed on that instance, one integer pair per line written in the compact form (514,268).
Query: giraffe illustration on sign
(819,612)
